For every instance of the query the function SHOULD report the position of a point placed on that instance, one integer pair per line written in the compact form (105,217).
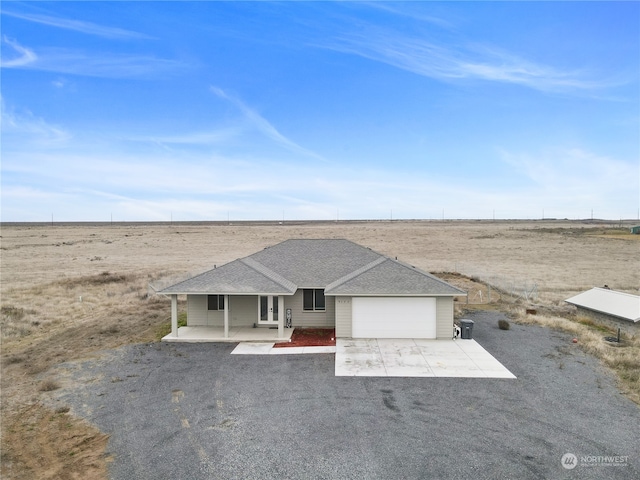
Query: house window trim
(219,303)
(314,294)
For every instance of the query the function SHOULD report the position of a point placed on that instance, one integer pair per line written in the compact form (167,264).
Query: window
(319,299)
(215,302)
(313,299)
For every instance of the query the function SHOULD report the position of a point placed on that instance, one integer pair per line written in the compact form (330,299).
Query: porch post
(226,316)
(174,315)
(280,316)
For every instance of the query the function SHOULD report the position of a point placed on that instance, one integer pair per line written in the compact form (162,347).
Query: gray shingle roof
(341,267)
(315,263)
(236,277)
(391,277)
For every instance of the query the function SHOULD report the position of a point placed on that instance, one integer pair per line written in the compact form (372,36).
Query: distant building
(613,308)
(635,230)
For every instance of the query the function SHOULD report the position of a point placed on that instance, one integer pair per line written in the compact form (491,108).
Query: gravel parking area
(193,411)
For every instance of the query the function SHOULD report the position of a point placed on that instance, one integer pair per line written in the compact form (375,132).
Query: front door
(268,309)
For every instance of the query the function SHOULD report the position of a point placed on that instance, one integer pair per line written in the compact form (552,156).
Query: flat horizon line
(302,222)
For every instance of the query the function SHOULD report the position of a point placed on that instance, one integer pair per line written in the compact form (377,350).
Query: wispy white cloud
(26,127)
(408,12)
(263,125)
(88,28)
(19,56)
(198,138)
(146,174)
(464,61)
(95,64)
(573,178)
(139,187)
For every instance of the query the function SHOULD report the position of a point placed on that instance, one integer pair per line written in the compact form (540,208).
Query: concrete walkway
(416,358)
(255,348)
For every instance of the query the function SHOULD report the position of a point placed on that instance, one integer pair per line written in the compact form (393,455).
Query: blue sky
(319,110)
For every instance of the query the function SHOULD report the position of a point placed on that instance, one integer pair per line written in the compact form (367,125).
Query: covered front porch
(260,319)
(235,334)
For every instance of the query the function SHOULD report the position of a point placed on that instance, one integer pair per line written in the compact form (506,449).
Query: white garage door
(393,317)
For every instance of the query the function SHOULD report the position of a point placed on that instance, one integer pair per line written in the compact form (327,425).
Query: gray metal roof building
(621,305)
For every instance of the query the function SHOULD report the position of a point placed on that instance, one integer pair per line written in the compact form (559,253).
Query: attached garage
(393,317)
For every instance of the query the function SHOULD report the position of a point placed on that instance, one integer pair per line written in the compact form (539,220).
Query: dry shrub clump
(503,324)
(49,386)
(15,321)
(623,359)
(104,278)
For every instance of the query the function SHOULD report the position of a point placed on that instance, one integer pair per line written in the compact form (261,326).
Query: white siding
(444,317)
(393,317)
(196,310)
(243,311)
(302,318)
(343,317)
(330,314)
(215,318)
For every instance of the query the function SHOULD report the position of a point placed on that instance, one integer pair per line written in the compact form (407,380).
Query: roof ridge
(355,273)
(270,274)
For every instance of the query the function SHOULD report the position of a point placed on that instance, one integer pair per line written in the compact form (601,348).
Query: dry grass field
(69,291)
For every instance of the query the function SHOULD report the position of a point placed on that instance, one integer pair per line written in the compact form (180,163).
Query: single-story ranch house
(319,283)
(613,308)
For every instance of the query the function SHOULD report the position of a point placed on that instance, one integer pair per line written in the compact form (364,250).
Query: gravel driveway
(193,411)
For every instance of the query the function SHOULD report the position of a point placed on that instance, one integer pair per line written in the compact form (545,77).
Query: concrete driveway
(398,358)
(416,358)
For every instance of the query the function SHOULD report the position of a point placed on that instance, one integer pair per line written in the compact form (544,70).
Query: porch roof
(238,277)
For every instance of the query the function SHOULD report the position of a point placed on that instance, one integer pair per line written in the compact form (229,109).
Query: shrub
(49,385)
(13,359)
(12,313)
(503,325)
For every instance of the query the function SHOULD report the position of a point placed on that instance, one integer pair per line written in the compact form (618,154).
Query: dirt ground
(71,291)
